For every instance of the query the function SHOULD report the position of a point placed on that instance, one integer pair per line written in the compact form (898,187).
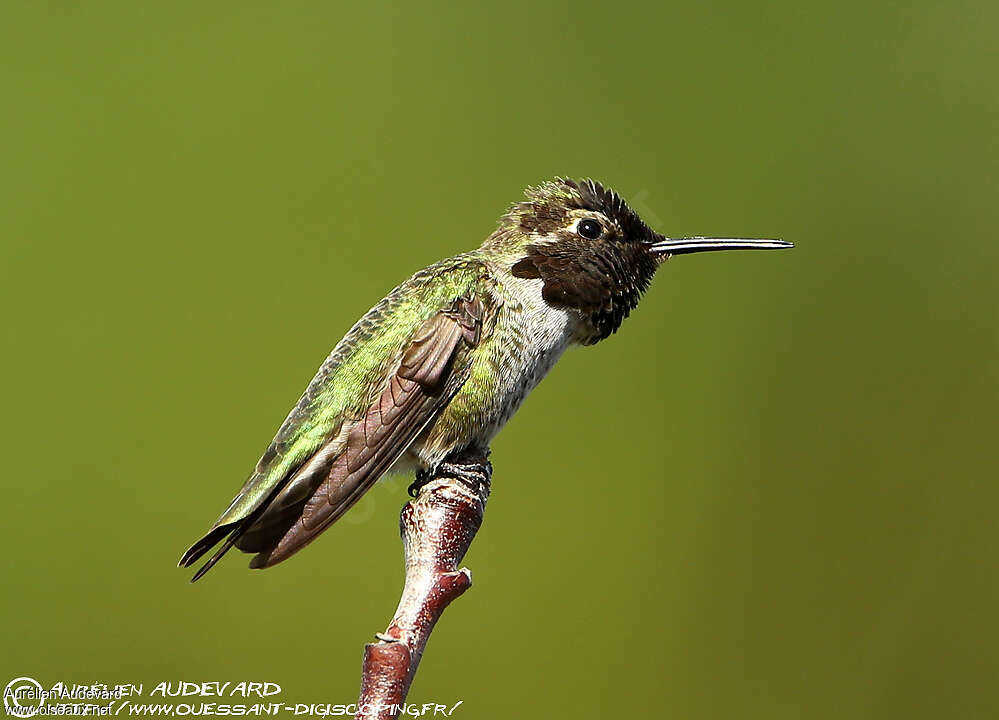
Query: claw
(422,478)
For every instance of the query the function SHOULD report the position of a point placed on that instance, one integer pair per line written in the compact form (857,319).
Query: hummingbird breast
(528,338)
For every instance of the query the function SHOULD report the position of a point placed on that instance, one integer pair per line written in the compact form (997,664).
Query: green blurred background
(772,495)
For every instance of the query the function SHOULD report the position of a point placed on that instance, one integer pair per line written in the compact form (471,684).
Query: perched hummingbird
(441,363)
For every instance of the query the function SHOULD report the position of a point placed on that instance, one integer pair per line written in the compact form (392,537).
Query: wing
(432,370)
(346,431)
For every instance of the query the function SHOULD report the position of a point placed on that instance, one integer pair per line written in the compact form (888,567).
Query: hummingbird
(441,363)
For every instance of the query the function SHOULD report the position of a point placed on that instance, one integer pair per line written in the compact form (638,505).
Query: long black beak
(685,246)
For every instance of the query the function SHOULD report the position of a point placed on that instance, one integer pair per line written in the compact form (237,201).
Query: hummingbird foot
(469,474)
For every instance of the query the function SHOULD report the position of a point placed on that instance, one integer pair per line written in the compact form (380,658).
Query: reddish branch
(437,529)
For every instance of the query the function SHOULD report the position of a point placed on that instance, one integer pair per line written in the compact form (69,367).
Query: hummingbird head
(594,255)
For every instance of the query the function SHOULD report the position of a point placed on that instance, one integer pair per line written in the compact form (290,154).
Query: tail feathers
(254,533)
(226,547)
(233,530)
(205,544)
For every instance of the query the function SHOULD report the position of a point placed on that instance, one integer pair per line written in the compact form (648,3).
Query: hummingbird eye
(589,229)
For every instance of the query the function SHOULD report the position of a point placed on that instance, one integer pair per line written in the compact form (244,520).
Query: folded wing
(431,370)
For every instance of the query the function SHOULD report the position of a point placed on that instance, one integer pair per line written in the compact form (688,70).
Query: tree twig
(437,529)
